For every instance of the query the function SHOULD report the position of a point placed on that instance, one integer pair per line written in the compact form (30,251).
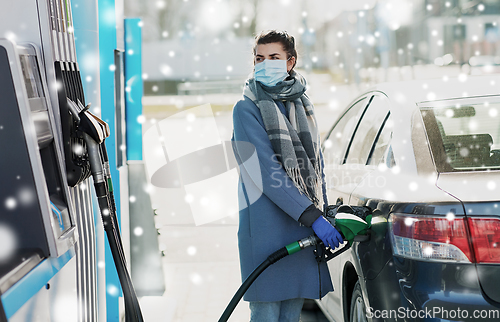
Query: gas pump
(42,180)
(48,253)
(37,208)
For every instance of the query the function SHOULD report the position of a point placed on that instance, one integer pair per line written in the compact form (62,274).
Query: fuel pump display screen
(31,76)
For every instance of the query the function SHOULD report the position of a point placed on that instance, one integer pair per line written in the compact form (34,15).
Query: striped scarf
(296,140)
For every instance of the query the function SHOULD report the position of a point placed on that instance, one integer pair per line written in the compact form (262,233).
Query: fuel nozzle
(353,222)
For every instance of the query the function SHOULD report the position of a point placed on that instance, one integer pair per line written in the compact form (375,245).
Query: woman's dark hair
(272,36)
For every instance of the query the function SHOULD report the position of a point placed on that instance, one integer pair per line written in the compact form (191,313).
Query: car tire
(358,309)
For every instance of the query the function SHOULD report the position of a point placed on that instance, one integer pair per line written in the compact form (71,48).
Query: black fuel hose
(105,162)
(108,214)
(276,256)
(129,292)
(131,312)
(271,259)
(132,309)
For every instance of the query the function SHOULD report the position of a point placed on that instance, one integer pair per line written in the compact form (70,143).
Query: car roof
(417,91)
(406,96)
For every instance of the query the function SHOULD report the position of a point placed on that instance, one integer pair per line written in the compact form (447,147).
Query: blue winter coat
(272,221)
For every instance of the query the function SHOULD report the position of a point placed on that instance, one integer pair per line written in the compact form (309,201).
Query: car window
(465,134)
(382,150)
(367,130)
(340,134)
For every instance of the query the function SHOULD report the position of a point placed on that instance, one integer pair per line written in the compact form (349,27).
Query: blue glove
(327,233)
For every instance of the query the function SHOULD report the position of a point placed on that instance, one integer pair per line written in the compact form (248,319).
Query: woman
(277,118)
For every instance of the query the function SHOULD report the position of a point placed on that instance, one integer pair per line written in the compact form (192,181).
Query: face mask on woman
(271,72)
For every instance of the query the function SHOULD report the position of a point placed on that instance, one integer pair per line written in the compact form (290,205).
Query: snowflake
(10,203)
(413,186)
(8,242)
(196,279)
(138,231)
(112,290)
(191,250)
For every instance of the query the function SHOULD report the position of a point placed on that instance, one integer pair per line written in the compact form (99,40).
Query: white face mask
(271,72)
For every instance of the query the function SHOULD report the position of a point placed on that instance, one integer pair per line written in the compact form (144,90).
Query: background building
(203,41)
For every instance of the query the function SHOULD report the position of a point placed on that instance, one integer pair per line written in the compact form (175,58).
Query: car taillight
(430,238)
(485,233)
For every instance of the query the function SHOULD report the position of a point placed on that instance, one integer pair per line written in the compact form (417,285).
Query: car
(425,157)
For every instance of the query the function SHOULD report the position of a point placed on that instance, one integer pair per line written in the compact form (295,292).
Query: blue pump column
(133,87)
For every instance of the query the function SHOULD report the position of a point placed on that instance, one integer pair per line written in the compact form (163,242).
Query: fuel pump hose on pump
(94,131)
